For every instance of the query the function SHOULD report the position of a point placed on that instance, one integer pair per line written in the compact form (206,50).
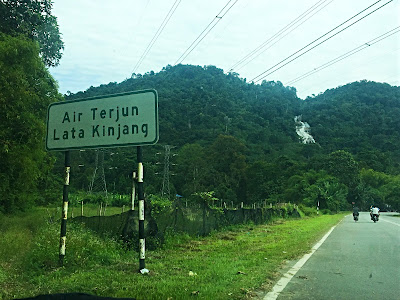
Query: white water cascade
(303,130)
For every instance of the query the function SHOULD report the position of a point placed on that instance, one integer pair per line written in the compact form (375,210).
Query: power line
(255,78)
(132,37)
(347,54)
(283,36)
(320,42)
(279,33)
(276,35)
(198,40)
(157,34)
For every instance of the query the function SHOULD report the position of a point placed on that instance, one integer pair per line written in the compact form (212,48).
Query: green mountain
(361,118)
(239,140)
(197,104)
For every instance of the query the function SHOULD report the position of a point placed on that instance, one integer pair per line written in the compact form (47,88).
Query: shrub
(83,249)
(308,211)
(159,204)
(326,211)
(119,200)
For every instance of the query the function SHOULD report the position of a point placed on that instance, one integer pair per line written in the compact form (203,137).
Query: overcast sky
(104,40)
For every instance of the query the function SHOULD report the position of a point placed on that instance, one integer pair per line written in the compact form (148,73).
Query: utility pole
(165,190)
(98,184)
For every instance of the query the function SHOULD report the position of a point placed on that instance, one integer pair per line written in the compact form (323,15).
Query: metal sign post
(133,193)
(142,247)
(63,234)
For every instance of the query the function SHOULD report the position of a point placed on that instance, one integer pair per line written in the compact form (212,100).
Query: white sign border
(106,145)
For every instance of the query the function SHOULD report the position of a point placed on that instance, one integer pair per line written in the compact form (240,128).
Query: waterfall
(303,130)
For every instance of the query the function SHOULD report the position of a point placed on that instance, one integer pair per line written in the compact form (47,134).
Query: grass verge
(229,264)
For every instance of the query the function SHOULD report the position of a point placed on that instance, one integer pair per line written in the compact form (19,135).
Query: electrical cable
(280,32)
(281,38)
(255,78)
(196,42)
(203,31)
(139,20)
(345,55)
(157,34)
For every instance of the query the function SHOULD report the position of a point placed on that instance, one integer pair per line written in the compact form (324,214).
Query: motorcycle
(375,218)
(355,217)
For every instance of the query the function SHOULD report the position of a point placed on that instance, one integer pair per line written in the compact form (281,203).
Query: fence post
(64,215)
(100,208)
(142,245)
(82,208)
(204,217)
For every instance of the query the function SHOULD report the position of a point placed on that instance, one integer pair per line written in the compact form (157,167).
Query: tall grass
(29,253)
(230,264)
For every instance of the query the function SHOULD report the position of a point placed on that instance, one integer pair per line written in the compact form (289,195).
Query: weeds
(230,264)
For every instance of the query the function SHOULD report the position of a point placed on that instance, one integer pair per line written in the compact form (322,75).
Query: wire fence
(193,219)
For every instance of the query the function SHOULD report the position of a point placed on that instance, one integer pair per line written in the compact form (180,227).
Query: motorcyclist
(355,211)
(374,211)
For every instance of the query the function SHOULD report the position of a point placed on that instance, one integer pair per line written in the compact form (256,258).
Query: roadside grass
(229,264)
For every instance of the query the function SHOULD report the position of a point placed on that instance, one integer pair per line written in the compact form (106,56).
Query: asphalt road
(358,260)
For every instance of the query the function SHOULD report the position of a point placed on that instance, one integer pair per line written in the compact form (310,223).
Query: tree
(392,193)
(26,89)
(297,185)
(344,167)
(329,192)
(380,189)
(191,170)
(260,185)
(33,19)
(268,179)
(227,163)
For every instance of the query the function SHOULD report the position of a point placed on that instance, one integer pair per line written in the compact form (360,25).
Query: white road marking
(390,222)
(281,284)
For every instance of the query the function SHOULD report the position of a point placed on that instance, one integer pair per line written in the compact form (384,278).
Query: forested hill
(238,142)
(197,104)
(362,118)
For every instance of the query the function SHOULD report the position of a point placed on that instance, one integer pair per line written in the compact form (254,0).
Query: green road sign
(128,119)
